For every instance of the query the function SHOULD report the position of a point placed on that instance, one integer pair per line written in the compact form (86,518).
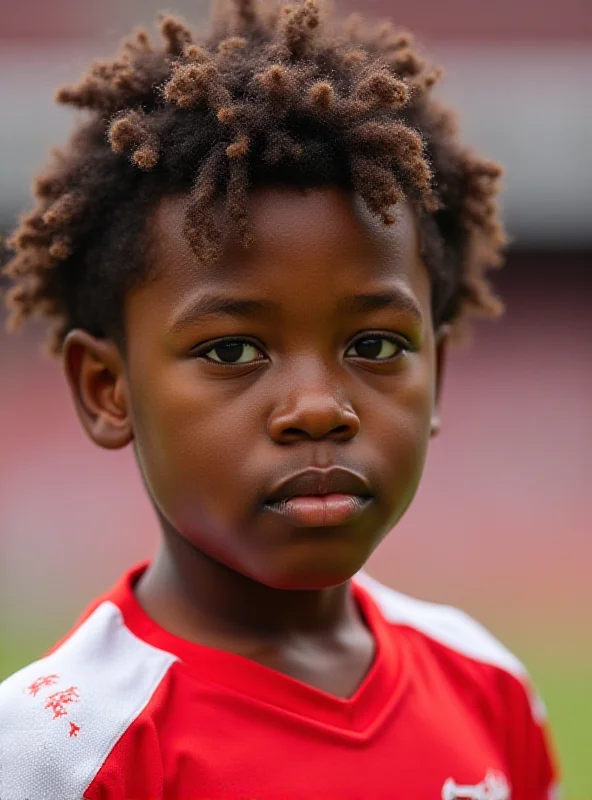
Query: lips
(317,482)
(320,498)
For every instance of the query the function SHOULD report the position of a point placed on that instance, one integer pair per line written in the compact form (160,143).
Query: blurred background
(502,525)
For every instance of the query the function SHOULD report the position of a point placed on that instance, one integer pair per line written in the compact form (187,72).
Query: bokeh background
(502,525)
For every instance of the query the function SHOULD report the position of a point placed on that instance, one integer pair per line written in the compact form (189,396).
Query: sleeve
(534,766)
(61,718)
(51,747)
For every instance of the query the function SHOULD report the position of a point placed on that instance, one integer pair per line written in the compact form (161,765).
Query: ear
(95,372)
(442,339)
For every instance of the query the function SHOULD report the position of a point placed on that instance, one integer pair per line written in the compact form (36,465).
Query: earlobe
(435,425)
(442,338)
(95,374)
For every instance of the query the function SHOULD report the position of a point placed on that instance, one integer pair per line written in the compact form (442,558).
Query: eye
(233,351)
(376,348)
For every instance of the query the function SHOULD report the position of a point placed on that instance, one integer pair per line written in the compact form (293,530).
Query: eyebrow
(211,305)
(376,301)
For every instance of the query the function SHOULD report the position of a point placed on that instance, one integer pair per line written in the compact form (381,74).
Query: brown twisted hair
(271,96)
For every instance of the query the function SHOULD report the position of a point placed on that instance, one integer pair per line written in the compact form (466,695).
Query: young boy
(256,249)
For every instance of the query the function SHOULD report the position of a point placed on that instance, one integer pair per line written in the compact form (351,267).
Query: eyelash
(403,345)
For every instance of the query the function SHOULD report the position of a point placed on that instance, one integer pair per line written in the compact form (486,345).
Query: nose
(314,409)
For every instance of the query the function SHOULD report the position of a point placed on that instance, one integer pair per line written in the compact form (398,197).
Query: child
(256,249)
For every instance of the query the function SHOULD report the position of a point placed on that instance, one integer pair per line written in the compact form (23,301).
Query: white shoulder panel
(60,717)
(444,624)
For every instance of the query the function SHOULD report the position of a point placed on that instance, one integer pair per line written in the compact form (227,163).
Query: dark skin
(308,378)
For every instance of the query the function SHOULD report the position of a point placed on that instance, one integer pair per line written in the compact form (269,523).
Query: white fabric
(444,624)
(453,628)
(43,756)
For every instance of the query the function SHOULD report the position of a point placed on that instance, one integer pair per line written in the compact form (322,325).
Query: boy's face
(311,350)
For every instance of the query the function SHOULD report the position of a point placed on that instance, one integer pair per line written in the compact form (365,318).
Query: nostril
(341,429)
(299,433)
(294,432)
(314,421)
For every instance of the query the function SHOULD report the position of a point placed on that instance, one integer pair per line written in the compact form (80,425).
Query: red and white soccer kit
(122,710)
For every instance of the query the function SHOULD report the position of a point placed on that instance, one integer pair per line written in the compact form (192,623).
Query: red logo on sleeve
(58,702)
(41,683)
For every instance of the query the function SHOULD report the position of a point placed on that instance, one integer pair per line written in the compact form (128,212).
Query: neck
(200,599)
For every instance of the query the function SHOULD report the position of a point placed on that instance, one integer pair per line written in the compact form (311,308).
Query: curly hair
(270,96)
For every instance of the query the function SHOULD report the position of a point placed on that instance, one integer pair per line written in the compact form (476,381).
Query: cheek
(192,441)
(399,425)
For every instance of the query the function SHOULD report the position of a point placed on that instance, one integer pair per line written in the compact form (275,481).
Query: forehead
(300,237)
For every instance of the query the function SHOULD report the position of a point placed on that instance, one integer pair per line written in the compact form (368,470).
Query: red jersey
(121,709)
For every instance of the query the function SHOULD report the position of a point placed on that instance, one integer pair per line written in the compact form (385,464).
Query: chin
(310,574)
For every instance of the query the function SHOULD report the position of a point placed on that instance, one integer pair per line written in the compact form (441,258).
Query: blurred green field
(567,690)
(563,679)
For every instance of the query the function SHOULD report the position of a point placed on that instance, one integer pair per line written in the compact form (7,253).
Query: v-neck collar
(359,715)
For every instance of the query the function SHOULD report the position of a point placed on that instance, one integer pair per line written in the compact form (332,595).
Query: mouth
(319,511)
(320,498)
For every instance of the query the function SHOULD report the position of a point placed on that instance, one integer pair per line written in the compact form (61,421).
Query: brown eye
(374,348)
(233,352)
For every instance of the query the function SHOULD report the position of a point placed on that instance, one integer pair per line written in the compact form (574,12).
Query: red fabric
(222,726)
